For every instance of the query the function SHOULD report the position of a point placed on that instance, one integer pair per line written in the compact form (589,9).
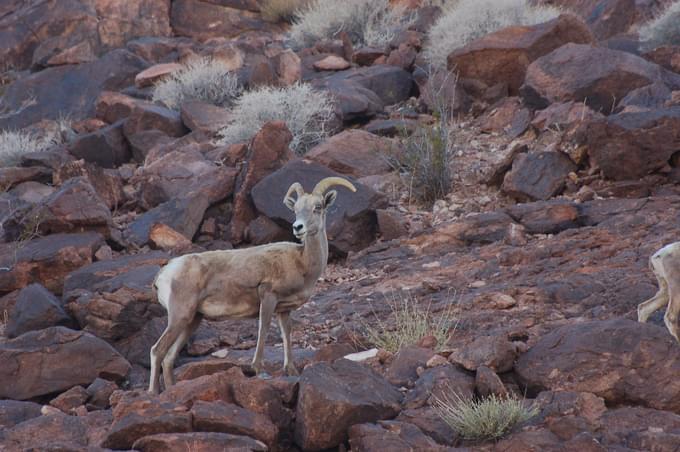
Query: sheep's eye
(317,208)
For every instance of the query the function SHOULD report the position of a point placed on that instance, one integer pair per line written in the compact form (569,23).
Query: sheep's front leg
(267,306)
(285,324)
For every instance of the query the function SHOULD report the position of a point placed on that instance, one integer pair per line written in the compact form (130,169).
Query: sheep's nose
(297,227)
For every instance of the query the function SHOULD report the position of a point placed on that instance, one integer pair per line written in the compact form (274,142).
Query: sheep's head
(310,208)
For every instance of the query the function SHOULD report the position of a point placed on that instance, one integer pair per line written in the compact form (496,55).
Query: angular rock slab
(334,397)
(36,308)
(624,362)
(46,260)
(55,359)
(198,442)
(350,223)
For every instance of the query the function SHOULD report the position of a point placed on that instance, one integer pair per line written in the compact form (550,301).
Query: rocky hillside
(561,164)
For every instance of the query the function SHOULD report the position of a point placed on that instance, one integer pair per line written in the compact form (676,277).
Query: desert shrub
(463,21)
(409,321)
(202,79)
(277,10)
(14,144)
(367,22)
(663,30)
(305,111)
(484,419)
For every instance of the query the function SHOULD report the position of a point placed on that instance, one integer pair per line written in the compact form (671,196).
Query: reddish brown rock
(559,77)
(228,418)
(391,224)
(70,400)
(106,147)
(429,422)
(503,56)
(332,63)
(546,217)
(355,153)
(49,94)
(495,352)
(268,152)
(537,176)
(114,299)
(208,388)
(189,18)
(390,435)
(155,73)
(146,116)
(196,369)
(402,369)
(438,381)
(35,362)
(204,117)
(198,442)
(167,239)
(11,176)
(112,107)
(351,223)
(563,116)
(488,383)
(99,392)
(13,412)
(507,116)
(46,260)
(36,308)
(595,357)
(107,183)
(55,430)
(263,230)
(390,83)
(335,396)
(632,145)
(260,396)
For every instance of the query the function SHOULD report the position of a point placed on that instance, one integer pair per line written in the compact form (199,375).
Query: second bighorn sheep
(246,283)
(665,264)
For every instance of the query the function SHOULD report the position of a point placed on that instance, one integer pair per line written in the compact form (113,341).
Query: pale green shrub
(14,144)
(663,30)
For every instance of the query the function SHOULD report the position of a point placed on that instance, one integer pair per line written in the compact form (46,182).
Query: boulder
(390,83)
(632,145)
(350,223)
(34,362)
(494,352)
(11,176)
(436,382)
(216,387)
(74,207)
(150,76)
(49,94)
(559,77)
(390,435)
(182,215)
(99,392)
(225,417)
(546,217)
(488,383)
(563,116)
(332,63)
(106,147)
(267,153)
(537,175)
(68,401)
(503,56)
(13,412)
(147,116)
(114,298)
(54,431)
(352,100)
(391,224)
(46,260)
(430,422)
(226,19)
(36,308)
(63,32)
(180,174)
(334,397)
(403,368)
(112,107)
(261,396)
(108,183)
(204,117)
(355,153)
(198,442)
(506,116)
(596,357)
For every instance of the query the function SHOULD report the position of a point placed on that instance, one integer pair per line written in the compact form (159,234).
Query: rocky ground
(565,164)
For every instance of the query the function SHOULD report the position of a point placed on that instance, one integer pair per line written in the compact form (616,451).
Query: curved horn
(295,187)
(325,184)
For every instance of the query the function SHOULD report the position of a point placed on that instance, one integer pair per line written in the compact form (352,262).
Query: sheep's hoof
(264,376)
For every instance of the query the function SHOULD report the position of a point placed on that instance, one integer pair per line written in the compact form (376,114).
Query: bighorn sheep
(246,283)
(665,264)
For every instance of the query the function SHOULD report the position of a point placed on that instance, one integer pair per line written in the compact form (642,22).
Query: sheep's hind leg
(267,306)
(673,310)
(169,360)
(160,350)
(285,326)
(658,301)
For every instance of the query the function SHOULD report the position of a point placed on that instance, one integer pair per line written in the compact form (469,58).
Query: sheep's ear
(329,198)
(290,203)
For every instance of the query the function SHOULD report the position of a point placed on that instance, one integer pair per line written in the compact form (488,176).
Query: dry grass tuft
(663,30)
(408,323)
(306,111)
(203,79)
(367,22)
(485,419)
(281,10)
(466,20)
(15,144)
